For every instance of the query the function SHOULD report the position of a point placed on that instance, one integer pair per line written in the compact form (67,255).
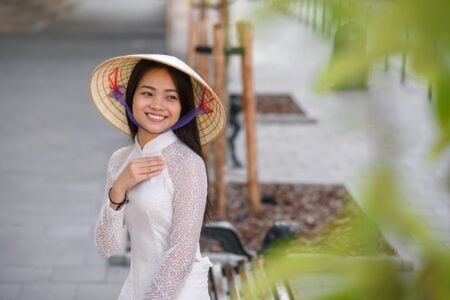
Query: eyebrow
(152,88)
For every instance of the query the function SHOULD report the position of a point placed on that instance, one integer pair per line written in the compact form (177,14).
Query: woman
(157,187)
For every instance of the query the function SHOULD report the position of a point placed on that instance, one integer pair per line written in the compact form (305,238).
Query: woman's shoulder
(182,155)
(120,154)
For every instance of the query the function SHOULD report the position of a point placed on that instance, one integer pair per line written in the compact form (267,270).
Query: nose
(157,103)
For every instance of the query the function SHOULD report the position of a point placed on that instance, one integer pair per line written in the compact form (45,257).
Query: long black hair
(188,133)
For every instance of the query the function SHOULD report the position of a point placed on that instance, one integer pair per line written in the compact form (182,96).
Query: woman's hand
(138,170)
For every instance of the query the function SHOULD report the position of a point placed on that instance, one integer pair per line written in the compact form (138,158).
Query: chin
(157,130)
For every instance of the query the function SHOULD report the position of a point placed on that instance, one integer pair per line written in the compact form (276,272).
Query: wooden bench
(236,267)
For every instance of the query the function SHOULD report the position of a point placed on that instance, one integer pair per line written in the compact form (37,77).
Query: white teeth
(157,117)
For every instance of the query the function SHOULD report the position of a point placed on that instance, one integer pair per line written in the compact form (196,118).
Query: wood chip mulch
(326,217)
(277,104)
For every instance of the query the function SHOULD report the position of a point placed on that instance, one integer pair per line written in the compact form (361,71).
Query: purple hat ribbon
(202,108)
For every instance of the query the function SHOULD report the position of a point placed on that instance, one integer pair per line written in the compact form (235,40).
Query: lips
(155,117)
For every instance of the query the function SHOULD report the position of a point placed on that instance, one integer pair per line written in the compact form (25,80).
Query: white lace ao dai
(164,219)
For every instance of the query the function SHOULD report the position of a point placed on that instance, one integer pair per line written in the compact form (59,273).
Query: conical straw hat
(210,124)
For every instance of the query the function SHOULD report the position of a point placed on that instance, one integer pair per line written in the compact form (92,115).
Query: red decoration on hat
(204,104)
(113,78)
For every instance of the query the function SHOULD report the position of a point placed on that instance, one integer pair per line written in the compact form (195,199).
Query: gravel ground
(325,216)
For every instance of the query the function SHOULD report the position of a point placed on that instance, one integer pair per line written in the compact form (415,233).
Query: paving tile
(69,231)
(117,274)
(9,291)
(47,292)
(78,274)
(95,259)
(14,231)
(43,252)
(25,274)
(65,258)
(41,258)
(98,291)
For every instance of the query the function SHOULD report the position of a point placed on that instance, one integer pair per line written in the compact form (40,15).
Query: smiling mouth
(155,118)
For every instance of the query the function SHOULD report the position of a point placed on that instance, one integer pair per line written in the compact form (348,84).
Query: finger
(149,169)
(148,159)
(143,170)
(145,164)
(152,164)
(149,175)
(152,174)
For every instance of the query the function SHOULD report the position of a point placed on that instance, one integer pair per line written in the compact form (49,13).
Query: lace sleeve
(109,227)
(190,188)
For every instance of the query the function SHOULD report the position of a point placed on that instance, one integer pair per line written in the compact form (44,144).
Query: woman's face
(156,103)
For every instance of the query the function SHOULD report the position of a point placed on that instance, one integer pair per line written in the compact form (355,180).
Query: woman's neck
(145,137)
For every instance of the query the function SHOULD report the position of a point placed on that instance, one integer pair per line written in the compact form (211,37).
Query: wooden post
(192,36)
(221,142)
(203,61)
(249,101)
(203,67)
(192,42)
(198,36)
(224,19)
(221,42)
(203,9)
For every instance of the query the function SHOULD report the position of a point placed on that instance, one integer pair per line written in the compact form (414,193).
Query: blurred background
(55,145)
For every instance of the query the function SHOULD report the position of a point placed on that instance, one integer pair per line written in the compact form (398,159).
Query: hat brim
(210,125)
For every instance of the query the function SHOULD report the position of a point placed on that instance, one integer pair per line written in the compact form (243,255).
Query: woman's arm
(190,189)
(109,227)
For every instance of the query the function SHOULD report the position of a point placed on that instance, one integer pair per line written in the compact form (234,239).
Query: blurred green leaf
(442,111)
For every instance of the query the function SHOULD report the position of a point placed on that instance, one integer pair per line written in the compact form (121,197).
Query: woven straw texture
(210,125)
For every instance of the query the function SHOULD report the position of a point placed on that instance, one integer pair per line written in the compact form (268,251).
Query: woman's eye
(147,94)
(172,98)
